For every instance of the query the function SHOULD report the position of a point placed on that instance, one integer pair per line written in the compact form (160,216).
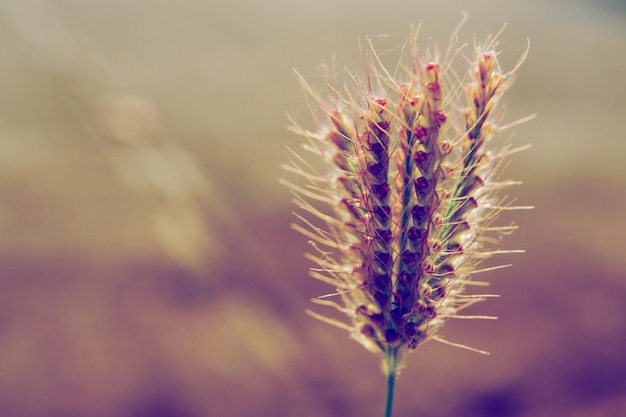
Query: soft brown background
(147,267)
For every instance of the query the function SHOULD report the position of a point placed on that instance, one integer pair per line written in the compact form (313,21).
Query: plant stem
(391,380)
(390,367)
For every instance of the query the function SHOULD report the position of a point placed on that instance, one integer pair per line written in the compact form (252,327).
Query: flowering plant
(403,214)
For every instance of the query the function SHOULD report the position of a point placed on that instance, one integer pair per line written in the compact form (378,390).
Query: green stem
(391,381)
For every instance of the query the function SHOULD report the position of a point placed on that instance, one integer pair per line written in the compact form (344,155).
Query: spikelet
(402,218)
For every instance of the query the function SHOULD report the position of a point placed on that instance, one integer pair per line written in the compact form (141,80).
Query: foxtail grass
(400,215)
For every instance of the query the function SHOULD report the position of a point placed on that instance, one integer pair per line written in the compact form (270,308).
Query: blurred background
(147,265)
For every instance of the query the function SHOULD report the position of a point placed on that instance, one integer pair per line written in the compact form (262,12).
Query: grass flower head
(402,214)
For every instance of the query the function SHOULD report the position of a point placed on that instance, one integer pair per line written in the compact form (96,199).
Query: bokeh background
(147,266)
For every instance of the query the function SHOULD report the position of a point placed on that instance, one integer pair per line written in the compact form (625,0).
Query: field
(147,264)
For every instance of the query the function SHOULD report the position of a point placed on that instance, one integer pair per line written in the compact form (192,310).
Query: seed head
(402,214)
